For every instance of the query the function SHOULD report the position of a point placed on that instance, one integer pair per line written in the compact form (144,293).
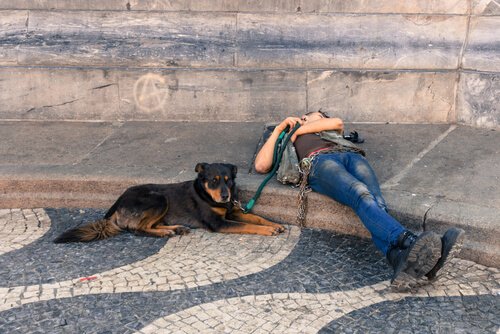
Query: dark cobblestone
(44,262)
(423,315)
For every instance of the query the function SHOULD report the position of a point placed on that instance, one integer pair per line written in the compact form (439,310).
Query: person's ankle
(406,239)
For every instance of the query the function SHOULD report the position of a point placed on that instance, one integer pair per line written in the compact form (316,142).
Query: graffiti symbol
(150,92)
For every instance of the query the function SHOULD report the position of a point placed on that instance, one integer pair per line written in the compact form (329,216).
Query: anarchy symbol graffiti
(150,92)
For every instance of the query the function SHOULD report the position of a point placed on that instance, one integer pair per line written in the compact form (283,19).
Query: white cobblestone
(19,228)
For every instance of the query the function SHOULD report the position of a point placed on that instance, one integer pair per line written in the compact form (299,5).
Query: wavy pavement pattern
(197,259)
(301,281)
(309,313)
(42,261)
(20,227)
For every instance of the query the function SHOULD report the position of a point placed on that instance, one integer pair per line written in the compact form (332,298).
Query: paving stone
(314,281)
(42,261)
(16,232)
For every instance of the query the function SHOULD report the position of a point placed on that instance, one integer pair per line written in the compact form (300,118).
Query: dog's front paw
(182,230)
(166,234)
(279,228)
(275,229)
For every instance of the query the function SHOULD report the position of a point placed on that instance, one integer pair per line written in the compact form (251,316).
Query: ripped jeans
(349,179)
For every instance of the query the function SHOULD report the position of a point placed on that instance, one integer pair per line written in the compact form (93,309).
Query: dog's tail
(100,229)
(112,209)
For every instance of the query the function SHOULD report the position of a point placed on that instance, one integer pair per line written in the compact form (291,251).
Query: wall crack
(61,104)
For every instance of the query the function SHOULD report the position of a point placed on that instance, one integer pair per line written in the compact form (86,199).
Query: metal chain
(304,168)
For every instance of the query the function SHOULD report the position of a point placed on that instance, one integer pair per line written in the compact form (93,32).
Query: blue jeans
(349,179)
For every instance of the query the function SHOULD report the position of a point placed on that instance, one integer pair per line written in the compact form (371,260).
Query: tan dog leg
(162,233)
(254,219)
(244,228)
(178,229)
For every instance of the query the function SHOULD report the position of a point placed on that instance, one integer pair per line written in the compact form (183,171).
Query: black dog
(163,210)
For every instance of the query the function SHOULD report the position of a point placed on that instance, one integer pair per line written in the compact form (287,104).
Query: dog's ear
(233,168)
(200,167)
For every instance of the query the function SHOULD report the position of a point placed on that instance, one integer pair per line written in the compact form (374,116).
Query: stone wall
(421,61)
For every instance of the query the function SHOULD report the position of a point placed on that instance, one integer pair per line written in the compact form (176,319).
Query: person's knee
(363,170)
(381,203)
(362,194)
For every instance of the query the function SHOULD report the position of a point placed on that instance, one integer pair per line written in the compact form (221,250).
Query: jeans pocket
(314,163)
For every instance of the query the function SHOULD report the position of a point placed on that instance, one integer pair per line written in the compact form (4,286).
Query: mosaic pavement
(307,281)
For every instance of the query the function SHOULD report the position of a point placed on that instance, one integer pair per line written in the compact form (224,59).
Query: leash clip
(246,209)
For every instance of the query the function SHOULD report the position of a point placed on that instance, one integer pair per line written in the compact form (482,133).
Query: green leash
(279,148)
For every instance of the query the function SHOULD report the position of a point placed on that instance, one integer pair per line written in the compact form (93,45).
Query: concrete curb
(418,212)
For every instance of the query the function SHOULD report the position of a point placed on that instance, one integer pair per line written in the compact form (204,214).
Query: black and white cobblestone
(19,228)
(305,281)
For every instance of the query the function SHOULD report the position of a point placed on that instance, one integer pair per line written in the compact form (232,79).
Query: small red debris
(89,278)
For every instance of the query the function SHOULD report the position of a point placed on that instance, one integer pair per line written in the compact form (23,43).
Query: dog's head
(217,180)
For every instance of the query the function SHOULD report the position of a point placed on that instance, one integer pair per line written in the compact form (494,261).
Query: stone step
(243,40)
(311,6)
(277,202)
(432,176)
(248,40)
(224,95)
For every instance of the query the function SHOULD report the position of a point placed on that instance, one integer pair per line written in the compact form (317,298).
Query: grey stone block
(184,5)
(12,28)
(426,97)
(38,93)
(212,95)
(469,171)
(52,143)
(344,41)
(483,7)
(167,143)
(113,94)
(483,48)
(478,100)
(65,4)
(157,5)
(394,6)
(160,5)
(148,39)
(278,6)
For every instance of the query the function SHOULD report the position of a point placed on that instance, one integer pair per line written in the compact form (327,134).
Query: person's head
(314,116)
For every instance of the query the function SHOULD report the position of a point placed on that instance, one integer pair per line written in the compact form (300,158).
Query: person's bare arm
(264,159)
(323,124)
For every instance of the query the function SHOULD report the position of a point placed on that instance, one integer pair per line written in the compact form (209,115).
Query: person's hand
(289,121)
(294,136)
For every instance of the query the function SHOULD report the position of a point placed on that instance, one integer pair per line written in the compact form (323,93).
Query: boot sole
(422,258)
(453,252)
(424,255)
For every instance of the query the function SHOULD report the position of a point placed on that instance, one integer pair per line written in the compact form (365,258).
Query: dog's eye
(214,180)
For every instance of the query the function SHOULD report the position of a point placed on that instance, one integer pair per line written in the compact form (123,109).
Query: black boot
(452,241)
(414,255)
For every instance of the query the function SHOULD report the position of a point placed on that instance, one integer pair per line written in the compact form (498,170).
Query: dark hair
(323,114)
